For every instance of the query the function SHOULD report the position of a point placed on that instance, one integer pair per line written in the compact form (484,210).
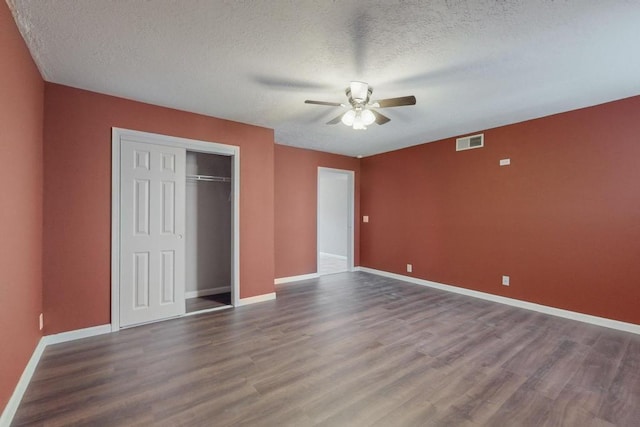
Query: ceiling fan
(361,112)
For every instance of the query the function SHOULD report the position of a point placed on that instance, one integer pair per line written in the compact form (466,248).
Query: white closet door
(152,249)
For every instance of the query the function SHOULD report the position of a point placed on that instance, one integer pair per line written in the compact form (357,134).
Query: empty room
(331,213)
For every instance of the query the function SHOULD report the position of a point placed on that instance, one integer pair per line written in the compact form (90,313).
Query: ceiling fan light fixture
(358,119)
(367,117)
(349,117)
(358,122)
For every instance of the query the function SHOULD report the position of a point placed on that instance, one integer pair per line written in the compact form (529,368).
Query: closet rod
(209,178)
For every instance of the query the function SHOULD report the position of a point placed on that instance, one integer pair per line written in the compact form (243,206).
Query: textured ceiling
(471,64)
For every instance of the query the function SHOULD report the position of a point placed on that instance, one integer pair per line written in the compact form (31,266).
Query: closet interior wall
(208,225)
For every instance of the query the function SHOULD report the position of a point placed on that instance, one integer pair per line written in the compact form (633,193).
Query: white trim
(115,230)
(567,314)
(205,292)
(77,334)
(328,255)
(351,194)
(14,401)
(190,145)
(281,280)
(235,224)
(257,299)
(207,310)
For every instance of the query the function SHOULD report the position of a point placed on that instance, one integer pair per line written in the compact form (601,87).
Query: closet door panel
(168,269)
(141,206)
(152,249)
(168,207)
(141,279)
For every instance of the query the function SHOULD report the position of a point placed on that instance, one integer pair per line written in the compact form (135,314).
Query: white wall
(208,224)
(333,211)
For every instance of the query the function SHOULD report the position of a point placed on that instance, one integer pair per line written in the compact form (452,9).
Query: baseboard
(257,299)
(206,292)
(77,334)
(567,314)
(281,280)
(13,403)
(327,254)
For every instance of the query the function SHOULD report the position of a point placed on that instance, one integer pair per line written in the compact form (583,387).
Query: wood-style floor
(349,349)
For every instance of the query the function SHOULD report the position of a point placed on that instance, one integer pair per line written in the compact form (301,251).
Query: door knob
(179,236)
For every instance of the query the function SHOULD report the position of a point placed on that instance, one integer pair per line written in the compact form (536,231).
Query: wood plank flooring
(349,349)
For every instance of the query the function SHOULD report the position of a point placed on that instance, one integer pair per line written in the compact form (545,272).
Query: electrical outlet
(365,218)
(41,318)
(409,268)
(505,280)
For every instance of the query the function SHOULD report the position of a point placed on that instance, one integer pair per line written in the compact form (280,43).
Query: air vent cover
(469,142)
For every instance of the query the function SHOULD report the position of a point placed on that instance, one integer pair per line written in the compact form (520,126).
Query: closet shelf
(209,178)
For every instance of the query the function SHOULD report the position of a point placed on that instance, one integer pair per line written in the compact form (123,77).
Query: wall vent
(469,142)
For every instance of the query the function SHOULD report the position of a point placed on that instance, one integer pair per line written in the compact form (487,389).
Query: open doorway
(335,220)
(208,231)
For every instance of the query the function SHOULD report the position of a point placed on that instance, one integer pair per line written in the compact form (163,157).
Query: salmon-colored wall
(77,197)
(563,220)
(21,103)
(296,200)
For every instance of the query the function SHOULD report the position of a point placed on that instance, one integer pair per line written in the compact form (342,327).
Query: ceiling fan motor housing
(358,93)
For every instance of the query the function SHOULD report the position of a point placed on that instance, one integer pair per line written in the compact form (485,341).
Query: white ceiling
(471,64)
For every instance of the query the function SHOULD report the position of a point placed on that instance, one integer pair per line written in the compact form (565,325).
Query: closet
(175,227)
(208,225)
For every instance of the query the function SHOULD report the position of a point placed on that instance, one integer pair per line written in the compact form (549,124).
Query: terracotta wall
(296,187)
(77,197)
(21,101)
(563,220)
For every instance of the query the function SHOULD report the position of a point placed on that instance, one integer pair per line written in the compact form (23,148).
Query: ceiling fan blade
(395,102)
(336,120)
(329,104)
(380,118)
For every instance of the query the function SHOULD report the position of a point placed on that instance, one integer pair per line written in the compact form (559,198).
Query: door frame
(350,215)
(117,135)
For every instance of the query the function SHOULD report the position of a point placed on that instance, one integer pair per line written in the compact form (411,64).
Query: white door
(152,249)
